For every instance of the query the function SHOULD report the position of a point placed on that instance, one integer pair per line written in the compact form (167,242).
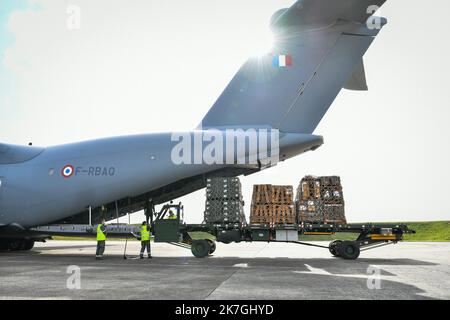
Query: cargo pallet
(370,235)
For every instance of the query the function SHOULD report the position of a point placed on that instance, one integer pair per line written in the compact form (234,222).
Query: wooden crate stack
(272,205)
(320,200)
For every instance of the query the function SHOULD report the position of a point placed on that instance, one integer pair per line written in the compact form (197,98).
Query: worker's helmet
(144,223)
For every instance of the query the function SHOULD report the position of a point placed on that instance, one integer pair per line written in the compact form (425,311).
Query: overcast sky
(147,65)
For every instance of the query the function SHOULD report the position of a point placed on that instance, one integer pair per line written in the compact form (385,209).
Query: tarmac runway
(68,270)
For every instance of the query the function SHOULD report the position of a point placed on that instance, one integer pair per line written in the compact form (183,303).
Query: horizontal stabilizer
(319,13)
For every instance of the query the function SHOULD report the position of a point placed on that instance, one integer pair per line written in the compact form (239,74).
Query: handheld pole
(125,249)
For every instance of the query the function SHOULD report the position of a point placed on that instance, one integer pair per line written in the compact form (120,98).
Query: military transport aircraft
(318,50)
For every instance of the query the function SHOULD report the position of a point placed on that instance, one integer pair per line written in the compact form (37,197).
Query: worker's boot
(150,256)
(141,256)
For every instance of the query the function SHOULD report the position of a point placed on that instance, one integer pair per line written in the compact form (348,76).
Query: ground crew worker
(101,238)
(145,240)
(172,216)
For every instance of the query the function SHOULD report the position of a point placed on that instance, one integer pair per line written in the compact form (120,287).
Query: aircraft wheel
(349,250)
(29,244)
(4,245)
(212,245)
(16,244)
(200,248)
(334,247)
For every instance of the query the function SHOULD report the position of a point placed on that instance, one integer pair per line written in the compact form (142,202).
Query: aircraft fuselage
(64,180)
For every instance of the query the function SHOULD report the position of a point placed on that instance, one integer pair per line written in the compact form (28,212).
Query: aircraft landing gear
(29,244)
(16,244)
(3,245)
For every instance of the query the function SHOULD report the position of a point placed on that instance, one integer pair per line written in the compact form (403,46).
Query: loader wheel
(200,248)
(349,250)
(334,247)
(212,245)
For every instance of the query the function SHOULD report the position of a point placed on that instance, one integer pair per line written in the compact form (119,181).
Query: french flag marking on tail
(282,61)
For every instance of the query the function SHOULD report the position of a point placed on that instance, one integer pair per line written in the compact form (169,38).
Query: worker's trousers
(145,245)
(100,248)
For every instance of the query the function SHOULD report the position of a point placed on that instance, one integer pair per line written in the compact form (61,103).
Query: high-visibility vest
(173,217)
(145,234)
(100,235)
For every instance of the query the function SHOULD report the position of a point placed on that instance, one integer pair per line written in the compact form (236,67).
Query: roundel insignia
(67,171)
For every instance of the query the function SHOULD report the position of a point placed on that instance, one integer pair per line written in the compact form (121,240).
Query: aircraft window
(51,172)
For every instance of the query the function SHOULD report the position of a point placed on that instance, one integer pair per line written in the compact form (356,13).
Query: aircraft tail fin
(318,50)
